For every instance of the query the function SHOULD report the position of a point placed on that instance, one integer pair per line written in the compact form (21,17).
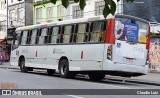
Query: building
(46,12)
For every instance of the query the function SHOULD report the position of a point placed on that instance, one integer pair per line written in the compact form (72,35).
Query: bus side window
(66,33)
(54,35)
(20,38)
(37,36)
(43,34)
(97,31)
(33,37)
(81,33)
(24,38)
(29,36)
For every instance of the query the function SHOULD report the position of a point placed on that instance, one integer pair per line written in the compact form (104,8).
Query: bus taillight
(147,61)
(109,52)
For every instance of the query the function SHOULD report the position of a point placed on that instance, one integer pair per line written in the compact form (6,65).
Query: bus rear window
(131,30)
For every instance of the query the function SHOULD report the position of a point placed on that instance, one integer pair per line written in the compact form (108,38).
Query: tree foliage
(110,5)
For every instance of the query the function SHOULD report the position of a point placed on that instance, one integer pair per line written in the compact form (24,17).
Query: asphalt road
(40,80)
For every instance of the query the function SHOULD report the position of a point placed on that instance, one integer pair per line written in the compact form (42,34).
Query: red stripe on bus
(148,40)
(44,25)
(81,54)
(36,54)
(110,39)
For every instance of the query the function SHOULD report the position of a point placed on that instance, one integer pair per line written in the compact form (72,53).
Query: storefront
(4,49)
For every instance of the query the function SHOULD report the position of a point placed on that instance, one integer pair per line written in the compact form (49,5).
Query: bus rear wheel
(96,76)
(22,66)
(64,70)
(50,71)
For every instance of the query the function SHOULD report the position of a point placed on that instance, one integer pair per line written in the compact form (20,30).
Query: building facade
(46,12)
(3,19)
(3,28)
(20,13)
(92,8)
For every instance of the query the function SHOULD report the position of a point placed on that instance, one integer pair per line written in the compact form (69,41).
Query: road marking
(73,96)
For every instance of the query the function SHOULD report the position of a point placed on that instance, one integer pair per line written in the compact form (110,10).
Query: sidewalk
(150,78)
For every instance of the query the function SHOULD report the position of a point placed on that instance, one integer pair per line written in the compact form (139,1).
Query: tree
(110,5)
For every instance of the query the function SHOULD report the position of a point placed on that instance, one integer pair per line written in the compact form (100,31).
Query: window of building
(3,5)
(97,33)
(81,33)
(24,37)
(77,12)
(20,14)
(61,11)
(43,35)
(99,6)
(11,15)
(54,36)
(49,12)
(33,37)
(39,13)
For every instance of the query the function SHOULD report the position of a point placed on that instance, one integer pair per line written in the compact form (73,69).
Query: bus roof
(75,21)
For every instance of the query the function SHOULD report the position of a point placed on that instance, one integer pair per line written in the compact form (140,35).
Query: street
(40,80)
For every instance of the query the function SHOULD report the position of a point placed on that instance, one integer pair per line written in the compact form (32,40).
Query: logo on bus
(58,51)
(118,45)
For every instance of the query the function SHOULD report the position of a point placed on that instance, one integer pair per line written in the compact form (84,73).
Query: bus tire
(64,69)
(96,76)
(22,65)
(50,71)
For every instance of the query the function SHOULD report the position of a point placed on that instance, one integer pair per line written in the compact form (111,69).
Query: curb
(9,67)
(139,81)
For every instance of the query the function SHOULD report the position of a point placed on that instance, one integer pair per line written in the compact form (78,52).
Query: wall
(29,12)
(154,54)
(147,9)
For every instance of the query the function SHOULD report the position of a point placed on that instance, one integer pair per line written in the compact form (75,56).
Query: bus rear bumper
(125,68)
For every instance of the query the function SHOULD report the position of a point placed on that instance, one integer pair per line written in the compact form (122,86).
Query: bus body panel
(128,53)
(47,56)
(14,57)
(87,57)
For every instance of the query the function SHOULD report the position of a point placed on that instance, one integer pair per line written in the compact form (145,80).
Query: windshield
(131,30)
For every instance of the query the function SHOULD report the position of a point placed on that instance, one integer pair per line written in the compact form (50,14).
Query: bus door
(14,49)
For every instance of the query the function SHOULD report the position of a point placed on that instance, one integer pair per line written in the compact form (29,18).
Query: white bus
(95,46)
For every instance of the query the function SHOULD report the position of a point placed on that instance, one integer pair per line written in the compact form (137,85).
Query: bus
(117,45)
